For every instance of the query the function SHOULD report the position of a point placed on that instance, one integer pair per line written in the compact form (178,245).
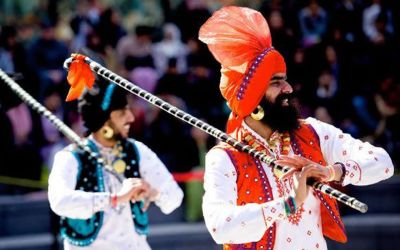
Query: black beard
(278,117)
(116,136)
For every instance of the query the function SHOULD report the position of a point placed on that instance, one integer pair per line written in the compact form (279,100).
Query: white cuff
(101,201)
(353,173)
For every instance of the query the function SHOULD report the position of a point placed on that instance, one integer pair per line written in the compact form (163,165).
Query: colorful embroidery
(296,218)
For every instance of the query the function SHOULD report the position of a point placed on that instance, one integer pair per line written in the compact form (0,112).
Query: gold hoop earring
(107,132)
(259,115)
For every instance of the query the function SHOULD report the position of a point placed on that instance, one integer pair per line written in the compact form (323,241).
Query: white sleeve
(365,164)
(157,175)
(64,199)
(225,220)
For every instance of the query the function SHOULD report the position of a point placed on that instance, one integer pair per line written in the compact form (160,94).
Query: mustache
(281,97)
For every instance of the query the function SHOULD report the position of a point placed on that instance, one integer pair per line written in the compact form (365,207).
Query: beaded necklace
(114,164)
(284,139)
(271,149)
(113,160)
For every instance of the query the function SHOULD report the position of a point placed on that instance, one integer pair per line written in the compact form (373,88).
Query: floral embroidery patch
(295,218)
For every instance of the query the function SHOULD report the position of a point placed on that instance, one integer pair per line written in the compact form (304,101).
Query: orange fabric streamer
(79,76)
(236,35)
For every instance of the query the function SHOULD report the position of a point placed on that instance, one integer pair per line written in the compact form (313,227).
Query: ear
(111,117)
(108,124)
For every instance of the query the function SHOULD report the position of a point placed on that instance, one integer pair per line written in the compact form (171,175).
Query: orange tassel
(79,76)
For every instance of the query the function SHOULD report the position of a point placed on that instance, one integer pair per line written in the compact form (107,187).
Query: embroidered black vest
(82,232)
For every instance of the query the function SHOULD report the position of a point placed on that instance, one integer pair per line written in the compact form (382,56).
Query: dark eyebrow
(277,78)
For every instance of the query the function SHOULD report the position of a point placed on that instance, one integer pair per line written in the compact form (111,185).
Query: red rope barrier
(189,176)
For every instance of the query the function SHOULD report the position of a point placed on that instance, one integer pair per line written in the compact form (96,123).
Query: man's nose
(287,88)
(130,117)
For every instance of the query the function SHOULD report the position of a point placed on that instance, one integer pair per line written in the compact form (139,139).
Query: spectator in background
(26,33)
(201,78)
(95,48)
(136,49)
(381,42)
(372,15)
(6,147)
(313,23)
(52,137)
(327,86)
(329,96)
(203,74)
(175,136)
(194,188)
(13,57)
(379,114)
(322,114)
(21,156)
(109,27)
(387,102)
(283,36)
(189,15)
(331,61)
(82,25)
(168,48)
(147,79)
(46,57)
(298,70)
(7,43)
(347,19)
(173,82)
(7,142)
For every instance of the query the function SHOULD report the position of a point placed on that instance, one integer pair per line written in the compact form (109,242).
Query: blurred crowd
(343,59)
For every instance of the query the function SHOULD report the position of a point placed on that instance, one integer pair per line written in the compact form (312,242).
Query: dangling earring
(259,115)
(107,132)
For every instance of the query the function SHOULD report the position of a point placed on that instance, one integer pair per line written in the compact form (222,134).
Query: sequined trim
(267,195)
(250,73)
(330,210)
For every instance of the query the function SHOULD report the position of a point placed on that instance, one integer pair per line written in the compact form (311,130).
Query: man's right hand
(302,169)
(300,182)
(131,188)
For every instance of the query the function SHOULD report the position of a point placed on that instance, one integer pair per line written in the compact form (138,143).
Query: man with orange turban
(246,204)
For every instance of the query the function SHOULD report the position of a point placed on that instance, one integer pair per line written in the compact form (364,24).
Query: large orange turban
(240,39)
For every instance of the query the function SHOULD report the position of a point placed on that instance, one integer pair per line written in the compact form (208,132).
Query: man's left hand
(147,195)
(298,162)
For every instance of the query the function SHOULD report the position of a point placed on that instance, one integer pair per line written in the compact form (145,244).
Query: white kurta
(117,231)
(229,223)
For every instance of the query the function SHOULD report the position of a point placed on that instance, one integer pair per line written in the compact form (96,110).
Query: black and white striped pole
(222,136)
